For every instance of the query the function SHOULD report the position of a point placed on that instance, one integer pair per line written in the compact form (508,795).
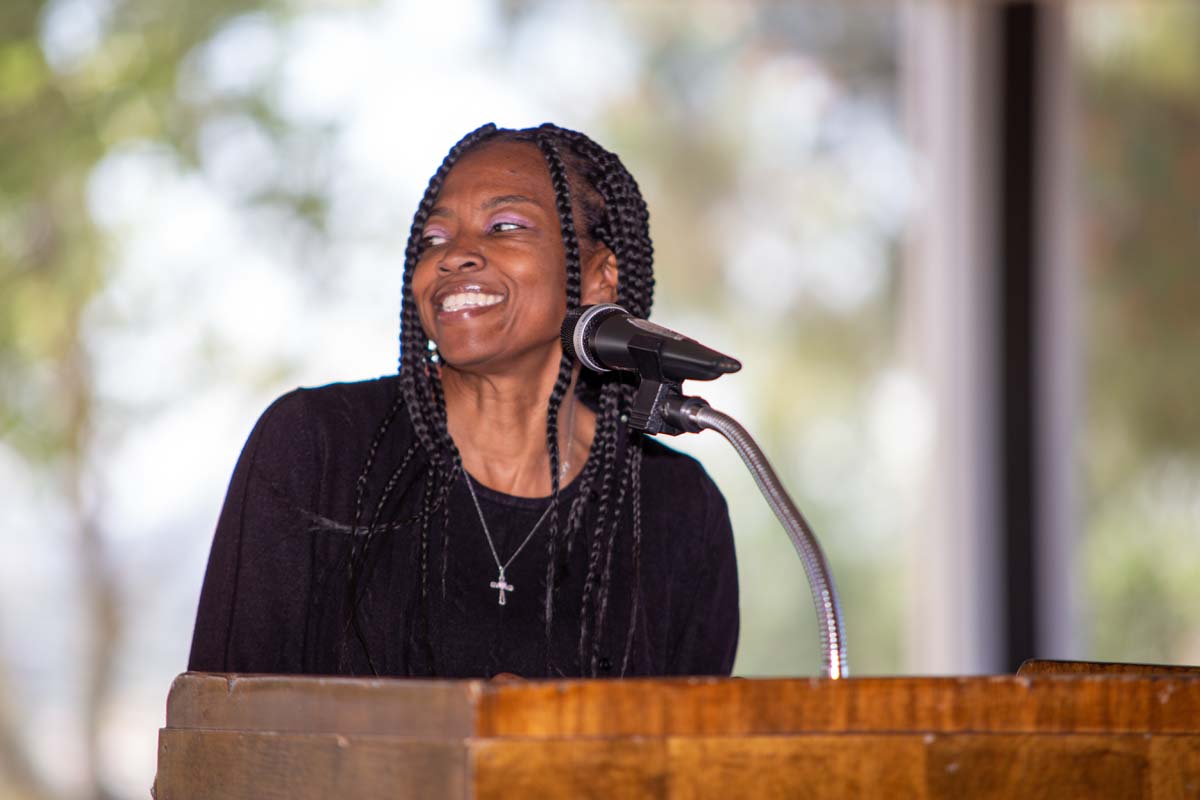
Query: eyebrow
(494,202)
(505,199)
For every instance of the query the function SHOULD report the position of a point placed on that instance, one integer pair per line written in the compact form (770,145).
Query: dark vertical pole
(1017,297)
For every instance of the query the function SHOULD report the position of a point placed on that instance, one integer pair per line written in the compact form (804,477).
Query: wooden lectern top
(1044,735)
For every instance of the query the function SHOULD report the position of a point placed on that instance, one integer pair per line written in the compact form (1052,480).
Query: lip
(461,287)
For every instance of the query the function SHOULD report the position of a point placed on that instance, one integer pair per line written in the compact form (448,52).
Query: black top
(273,595)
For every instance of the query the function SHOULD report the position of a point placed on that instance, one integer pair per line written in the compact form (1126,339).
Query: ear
(599,277)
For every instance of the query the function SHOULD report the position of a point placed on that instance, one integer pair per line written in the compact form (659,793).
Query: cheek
(551,291)
(423,274)
(539,277)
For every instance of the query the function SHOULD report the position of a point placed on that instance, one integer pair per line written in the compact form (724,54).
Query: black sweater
(273,595)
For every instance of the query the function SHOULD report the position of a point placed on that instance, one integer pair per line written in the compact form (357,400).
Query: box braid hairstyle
(594,188)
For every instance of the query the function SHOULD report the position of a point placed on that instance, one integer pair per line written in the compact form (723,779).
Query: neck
(498,424)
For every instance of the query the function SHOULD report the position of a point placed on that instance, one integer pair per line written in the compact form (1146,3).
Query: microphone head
(568,330)
(577,328)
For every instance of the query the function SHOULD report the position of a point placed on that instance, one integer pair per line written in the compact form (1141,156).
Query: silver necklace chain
(500,583)
(565,459)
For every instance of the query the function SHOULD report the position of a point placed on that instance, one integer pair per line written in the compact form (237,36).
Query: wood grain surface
(1075,734)
(1042,666)
(1061,704)
(323,704)
(933,767)
(260,765)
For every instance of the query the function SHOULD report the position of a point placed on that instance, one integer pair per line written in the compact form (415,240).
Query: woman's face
(490,284)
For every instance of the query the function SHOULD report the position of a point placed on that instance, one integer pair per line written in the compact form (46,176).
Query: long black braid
(566,219)
(596,197)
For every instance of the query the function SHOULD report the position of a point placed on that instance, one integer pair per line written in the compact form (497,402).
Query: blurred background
(956,245)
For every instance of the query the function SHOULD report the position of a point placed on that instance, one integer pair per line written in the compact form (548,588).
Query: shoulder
(670,472)
(370,398)
(338,418)
(334,406)
(311,442)
(665,462)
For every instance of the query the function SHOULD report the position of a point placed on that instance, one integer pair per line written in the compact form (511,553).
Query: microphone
(606,337)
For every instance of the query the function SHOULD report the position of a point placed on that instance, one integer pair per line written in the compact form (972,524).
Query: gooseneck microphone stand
(661,407)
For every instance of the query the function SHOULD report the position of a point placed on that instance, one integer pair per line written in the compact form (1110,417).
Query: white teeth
(457,302)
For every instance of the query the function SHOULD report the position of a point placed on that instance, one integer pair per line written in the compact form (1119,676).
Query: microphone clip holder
(658,401)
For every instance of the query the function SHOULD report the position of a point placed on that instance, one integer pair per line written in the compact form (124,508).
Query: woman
(486,510)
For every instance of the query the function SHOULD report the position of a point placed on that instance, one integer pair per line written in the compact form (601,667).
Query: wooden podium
(1048,732)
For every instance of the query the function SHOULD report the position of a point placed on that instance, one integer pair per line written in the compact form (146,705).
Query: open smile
(463,299)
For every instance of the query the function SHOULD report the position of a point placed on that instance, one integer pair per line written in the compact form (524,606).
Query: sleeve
(254,600)
(707,643)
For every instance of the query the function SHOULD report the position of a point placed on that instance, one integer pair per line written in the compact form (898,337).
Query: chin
(463,362)
(487,358)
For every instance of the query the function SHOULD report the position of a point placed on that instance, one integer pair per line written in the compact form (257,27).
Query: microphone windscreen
(568,331)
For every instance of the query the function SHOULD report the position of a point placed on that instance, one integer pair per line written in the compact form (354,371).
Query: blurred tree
(1140,79)
(1142,173)
(77,79)
(746,126)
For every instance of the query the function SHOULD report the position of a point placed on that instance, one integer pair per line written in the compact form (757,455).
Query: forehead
(500,168)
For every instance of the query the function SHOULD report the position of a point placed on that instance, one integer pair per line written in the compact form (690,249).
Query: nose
(460,256)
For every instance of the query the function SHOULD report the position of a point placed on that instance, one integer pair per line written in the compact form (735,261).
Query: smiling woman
(489,283)
(486,510)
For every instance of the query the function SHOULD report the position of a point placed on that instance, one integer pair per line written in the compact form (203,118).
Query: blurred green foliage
(1139,78)
(686,133)
(116,82)
(112,77)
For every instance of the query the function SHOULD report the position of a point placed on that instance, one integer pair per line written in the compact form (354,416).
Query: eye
(432,237)
(507,221)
